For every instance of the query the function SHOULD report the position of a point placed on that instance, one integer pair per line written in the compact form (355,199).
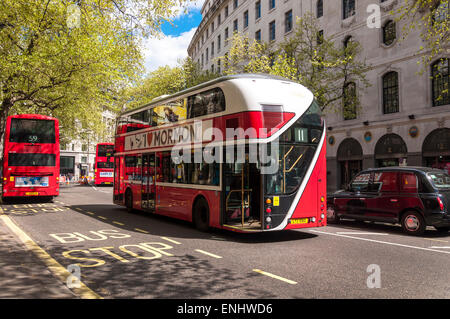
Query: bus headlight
(313,219)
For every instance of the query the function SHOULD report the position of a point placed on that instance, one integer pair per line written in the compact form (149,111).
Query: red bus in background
(244,195)
(31,157)
(104,164)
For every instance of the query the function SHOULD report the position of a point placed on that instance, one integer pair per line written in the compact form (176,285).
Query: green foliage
(307,58)
(72,59)
(165,81)
(432,19)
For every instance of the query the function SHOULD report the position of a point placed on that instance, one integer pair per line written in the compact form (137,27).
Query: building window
(348,8)
(271,4)
(349,101)
(219,19)
(320,37)
(288,21)
(226,11)
(212,49)
(235,25)
(258,35)
(440,82)
(226,36)
(389,32)
(207,55)
(245,19)
(235,4)
(390,93)
(257,10)
(319,8)
(219,43)
(272,31)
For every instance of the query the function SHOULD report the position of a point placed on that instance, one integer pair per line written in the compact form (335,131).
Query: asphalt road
(139,255)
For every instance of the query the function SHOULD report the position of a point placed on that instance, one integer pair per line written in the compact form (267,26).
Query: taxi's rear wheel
(413,223)
(332,216)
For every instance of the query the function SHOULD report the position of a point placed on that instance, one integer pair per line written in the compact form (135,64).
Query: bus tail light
(268,210)
(441,204)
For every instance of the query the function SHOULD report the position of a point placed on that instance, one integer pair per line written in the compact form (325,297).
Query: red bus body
(104,164)
(237,198)
(31,156)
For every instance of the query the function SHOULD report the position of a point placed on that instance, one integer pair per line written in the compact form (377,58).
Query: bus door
(118,181)
(242,195)
(148,181)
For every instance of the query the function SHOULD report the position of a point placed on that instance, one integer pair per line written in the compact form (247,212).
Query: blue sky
(173,45)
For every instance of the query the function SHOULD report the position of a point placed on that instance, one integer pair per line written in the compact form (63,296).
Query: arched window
(389,32)
(390,93)
(348,7)
(319,8)
(440,82)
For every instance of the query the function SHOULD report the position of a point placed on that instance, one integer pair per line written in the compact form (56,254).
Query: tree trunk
(5,106)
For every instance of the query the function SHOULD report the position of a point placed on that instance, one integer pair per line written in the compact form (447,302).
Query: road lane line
(117,223)
(102,217)
(378,241)
(141,230)
(359,233)
(56,268)
(90,213)
(439,240)
(440,247)
(171,240)
(208,254)
(275,276)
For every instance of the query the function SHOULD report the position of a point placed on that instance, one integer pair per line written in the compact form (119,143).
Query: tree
(432,18)
(307,58)
(71,59)
(166,80)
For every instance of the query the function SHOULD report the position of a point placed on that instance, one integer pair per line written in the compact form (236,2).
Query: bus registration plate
(299,221)
(31,193)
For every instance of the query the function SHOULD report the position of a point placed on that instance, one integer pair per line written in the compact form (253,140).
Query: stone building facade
(404,116)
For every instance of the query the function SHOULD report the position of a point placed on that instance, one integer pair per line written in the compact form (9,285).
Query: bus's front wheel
(200,215)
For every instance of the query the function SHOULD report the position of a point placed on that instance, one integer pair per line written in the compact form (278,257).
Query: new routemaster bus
(31,157)
(244,153)
(104,164)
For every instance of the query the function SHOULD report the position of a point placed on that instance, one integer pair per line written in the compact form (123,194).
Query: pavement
(22,274)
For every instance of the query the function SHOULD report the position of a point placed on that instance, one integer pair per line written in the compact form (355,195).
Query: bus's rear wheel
(200,215)
(129,200)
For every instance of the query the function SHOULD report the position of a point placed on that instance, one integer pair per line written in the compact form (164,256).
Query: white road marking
(358,233)
(171,240)
(379,241)
(208,254)
(440,247)
(275,276)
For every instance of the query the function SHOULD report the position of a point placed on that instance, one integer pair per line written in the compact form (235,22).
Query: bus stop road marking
(141,230)
(56,268)
(208,254)
(291,282)
(171,240)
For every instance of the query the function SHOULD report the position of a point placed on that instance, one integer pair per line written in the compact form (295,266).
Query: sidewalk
(22,274)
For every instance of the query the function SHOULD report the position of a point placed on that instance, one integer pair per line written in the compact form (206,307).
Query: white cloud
(194,5)
(167,50)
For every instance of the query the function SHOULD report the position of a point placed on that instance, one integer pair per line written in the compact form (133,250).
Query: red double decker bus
(244,153)
(31,157)
(104,164)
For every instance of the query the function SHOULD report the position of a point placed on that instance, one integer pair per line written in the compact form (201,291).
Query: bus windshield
(297,148)
(105,150)
(32,131)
